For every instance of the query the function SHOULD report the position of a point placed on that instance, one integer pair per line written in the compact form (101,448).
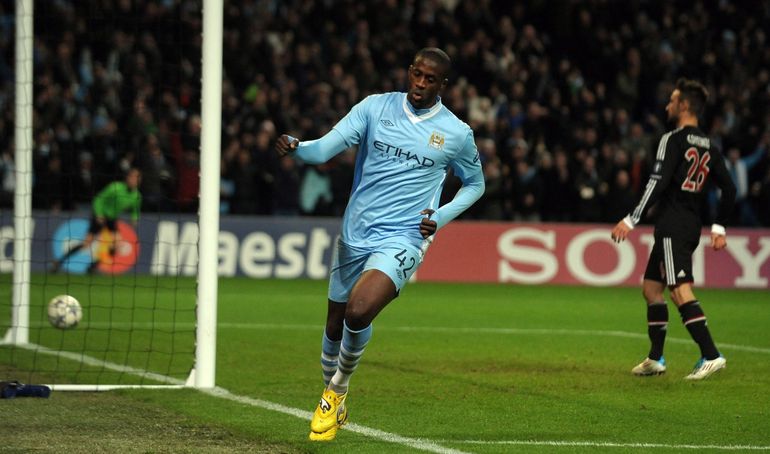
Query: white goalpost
(206,331)
(203,368)
(22,220)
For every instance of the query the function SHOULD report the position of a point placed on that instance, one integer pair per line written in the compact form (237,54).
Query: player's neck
(421,110)
(687,120)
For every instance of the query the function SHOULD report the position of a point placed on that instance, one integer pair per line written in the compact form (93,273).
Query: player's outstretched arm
(312,151)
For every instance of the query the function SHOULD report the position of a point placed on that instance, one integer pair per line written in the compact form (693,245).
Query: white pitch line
(431,329)
(417,443)
(608,444)
(481,330)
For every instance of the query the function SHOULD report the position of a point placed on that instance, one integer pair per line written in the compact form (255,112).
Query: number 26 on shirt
(698,171)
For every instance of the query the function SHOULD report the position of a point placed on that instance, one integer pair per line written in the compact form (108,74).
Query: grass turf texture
(447,363)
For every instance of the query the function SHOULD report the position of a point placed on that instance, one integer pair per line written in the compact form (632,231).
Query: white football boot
(705,368)
(650,367)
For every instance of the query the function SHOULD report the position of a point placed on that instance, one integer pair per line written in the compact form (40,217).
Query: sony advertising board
(288,248)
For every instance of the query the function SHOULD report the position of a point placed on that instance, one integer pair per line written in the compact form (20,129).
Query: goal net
(103,91)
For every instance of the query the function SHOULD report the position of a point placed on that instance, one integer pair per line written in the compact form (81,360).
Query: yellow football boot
(329,415)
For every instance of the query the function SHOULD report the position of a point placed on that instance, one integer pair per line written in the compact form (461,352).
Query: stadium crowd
(566,98)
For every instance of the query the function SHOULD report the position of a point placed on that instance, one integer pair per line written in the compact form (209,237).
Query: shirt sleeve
(725,183)
(666,161)
(467,167)
(321,150)
(347,132)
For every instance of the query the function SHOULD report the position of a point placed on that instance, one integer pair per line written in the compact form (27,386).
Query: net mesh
(116,87)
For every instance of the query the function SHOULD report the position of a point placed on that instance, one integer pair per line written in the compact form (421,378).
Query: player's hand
(718,241)
(427,226)
(620,231)
(286,144)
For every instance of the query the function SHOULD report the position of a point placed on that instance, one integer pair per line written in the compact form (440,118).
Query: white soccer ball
(64,312)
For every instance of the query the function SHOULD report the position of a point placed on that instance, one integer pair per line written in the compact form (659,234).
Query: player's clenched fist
(286,144)
(427,226)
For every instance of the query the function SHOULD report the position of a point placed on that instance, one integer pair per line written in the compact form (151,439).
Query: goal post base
(96,388)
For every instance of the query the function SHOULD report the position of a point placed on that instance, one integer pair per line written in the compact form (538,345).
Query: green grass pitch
(472,368)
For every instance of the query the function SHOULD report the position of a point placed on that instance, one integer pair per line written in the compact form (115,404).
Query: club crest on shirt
(436,140)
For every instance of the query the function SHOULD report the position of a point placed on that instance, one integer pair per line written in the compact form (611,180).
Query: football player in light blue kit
(407,141)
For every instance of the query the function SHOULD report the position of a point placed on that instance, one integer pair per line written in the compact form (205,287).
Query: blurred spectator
(573,79)
(186,155)
(763,198)
(559,189)
(739,168)
(341,174)
(316,191)
(527,193)
(287,183)
(621,199)
(588,185)
(7,179)
(85,188)
(157,178)
(246,198)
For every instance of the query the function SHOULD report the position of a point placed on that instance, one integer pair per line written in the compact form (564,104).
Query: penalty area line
(607,444)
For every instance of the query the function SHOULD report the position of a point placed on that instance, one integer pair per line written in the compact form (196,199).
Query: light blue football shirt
(400,167)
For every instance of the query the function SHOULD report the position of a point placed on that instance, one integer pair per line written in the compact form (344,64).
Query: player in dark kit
(684,163)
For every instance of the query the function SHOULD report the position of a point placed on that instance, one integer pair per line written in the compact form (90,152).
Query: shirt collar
(418,115)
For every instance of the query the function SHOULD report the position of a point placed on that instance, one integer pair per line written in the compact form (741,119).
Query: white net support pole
(204,373)
(22,244)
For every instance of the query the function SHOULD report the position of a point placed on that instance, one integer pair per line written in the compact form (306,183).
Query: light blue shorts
(399,260)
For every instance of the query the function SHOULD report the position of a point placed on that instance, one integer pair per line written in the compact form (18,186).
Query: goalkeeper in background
(116,198)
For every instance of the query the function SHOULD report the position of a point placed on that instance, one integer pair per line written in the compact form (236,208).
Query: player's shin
(352,348)
(695,321)
(330,352)
(657,325)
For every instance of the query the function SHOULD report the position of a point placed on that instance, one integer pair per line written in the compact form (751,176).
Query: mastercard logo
(112,253)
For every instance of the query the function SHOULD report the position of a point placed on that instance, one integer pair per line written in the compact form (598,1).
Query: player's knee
(652,295)
(682,294)
(357,315)
(334,324)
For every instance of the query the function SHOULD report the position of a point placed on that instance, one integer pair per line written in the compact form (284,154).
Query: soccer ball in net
(64,312)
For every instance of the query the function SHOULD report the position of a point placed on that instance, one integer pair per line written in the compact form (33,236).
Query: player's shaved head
(436,55)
